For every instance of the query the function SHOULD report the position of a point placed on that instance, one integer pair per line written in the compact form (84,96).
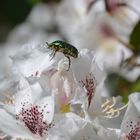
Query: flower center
(33,119)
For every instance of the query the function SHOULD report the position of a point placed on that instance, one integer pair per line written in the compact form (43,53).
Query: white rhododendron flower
(78,128)
(65,90)
(29,115)
(70,86)
(111,51)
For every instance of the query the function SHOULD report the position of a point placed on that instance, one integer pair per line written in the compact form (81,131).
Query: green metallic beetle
(67,49)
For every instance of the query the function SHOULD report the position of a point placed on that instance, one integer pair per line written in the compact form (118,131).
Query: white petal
(79,96)
(8,84)
(82,64)
(47,105)
(68,126)
(36,91)
(23,96)
(45,79)
(9,125)
(72,127)
(132,113)
(86,132)
(98,71)
(107,134)
(30,59)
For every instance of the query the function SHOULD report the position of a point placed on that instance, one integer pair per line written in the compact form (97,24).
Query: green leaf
(135,37)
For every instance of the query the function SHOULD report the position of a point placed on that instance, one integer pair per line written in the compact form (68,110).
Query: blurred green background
(13,12)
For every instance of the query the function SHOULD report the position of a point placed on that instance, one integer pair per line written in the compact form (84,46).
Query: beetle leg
(69,62)
(53,54)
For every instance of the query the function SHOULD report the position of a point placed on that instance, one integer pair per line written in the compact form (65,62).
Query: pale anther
(109,109)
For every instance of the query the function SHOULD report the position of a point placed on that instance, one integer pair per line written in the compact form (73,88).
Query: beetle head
(50,46)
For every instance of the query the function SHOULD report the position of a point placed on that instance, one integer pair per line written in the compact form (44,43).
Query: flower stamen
(108,107)
(8,99)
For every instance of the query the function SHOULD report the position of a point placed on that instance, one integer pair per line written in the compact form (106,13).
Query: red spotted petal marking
(33,119)
(134,133)
(90,85)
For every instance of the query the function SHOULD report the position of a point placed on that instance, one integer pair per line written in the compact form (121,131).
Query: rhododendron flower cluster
(41,99)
